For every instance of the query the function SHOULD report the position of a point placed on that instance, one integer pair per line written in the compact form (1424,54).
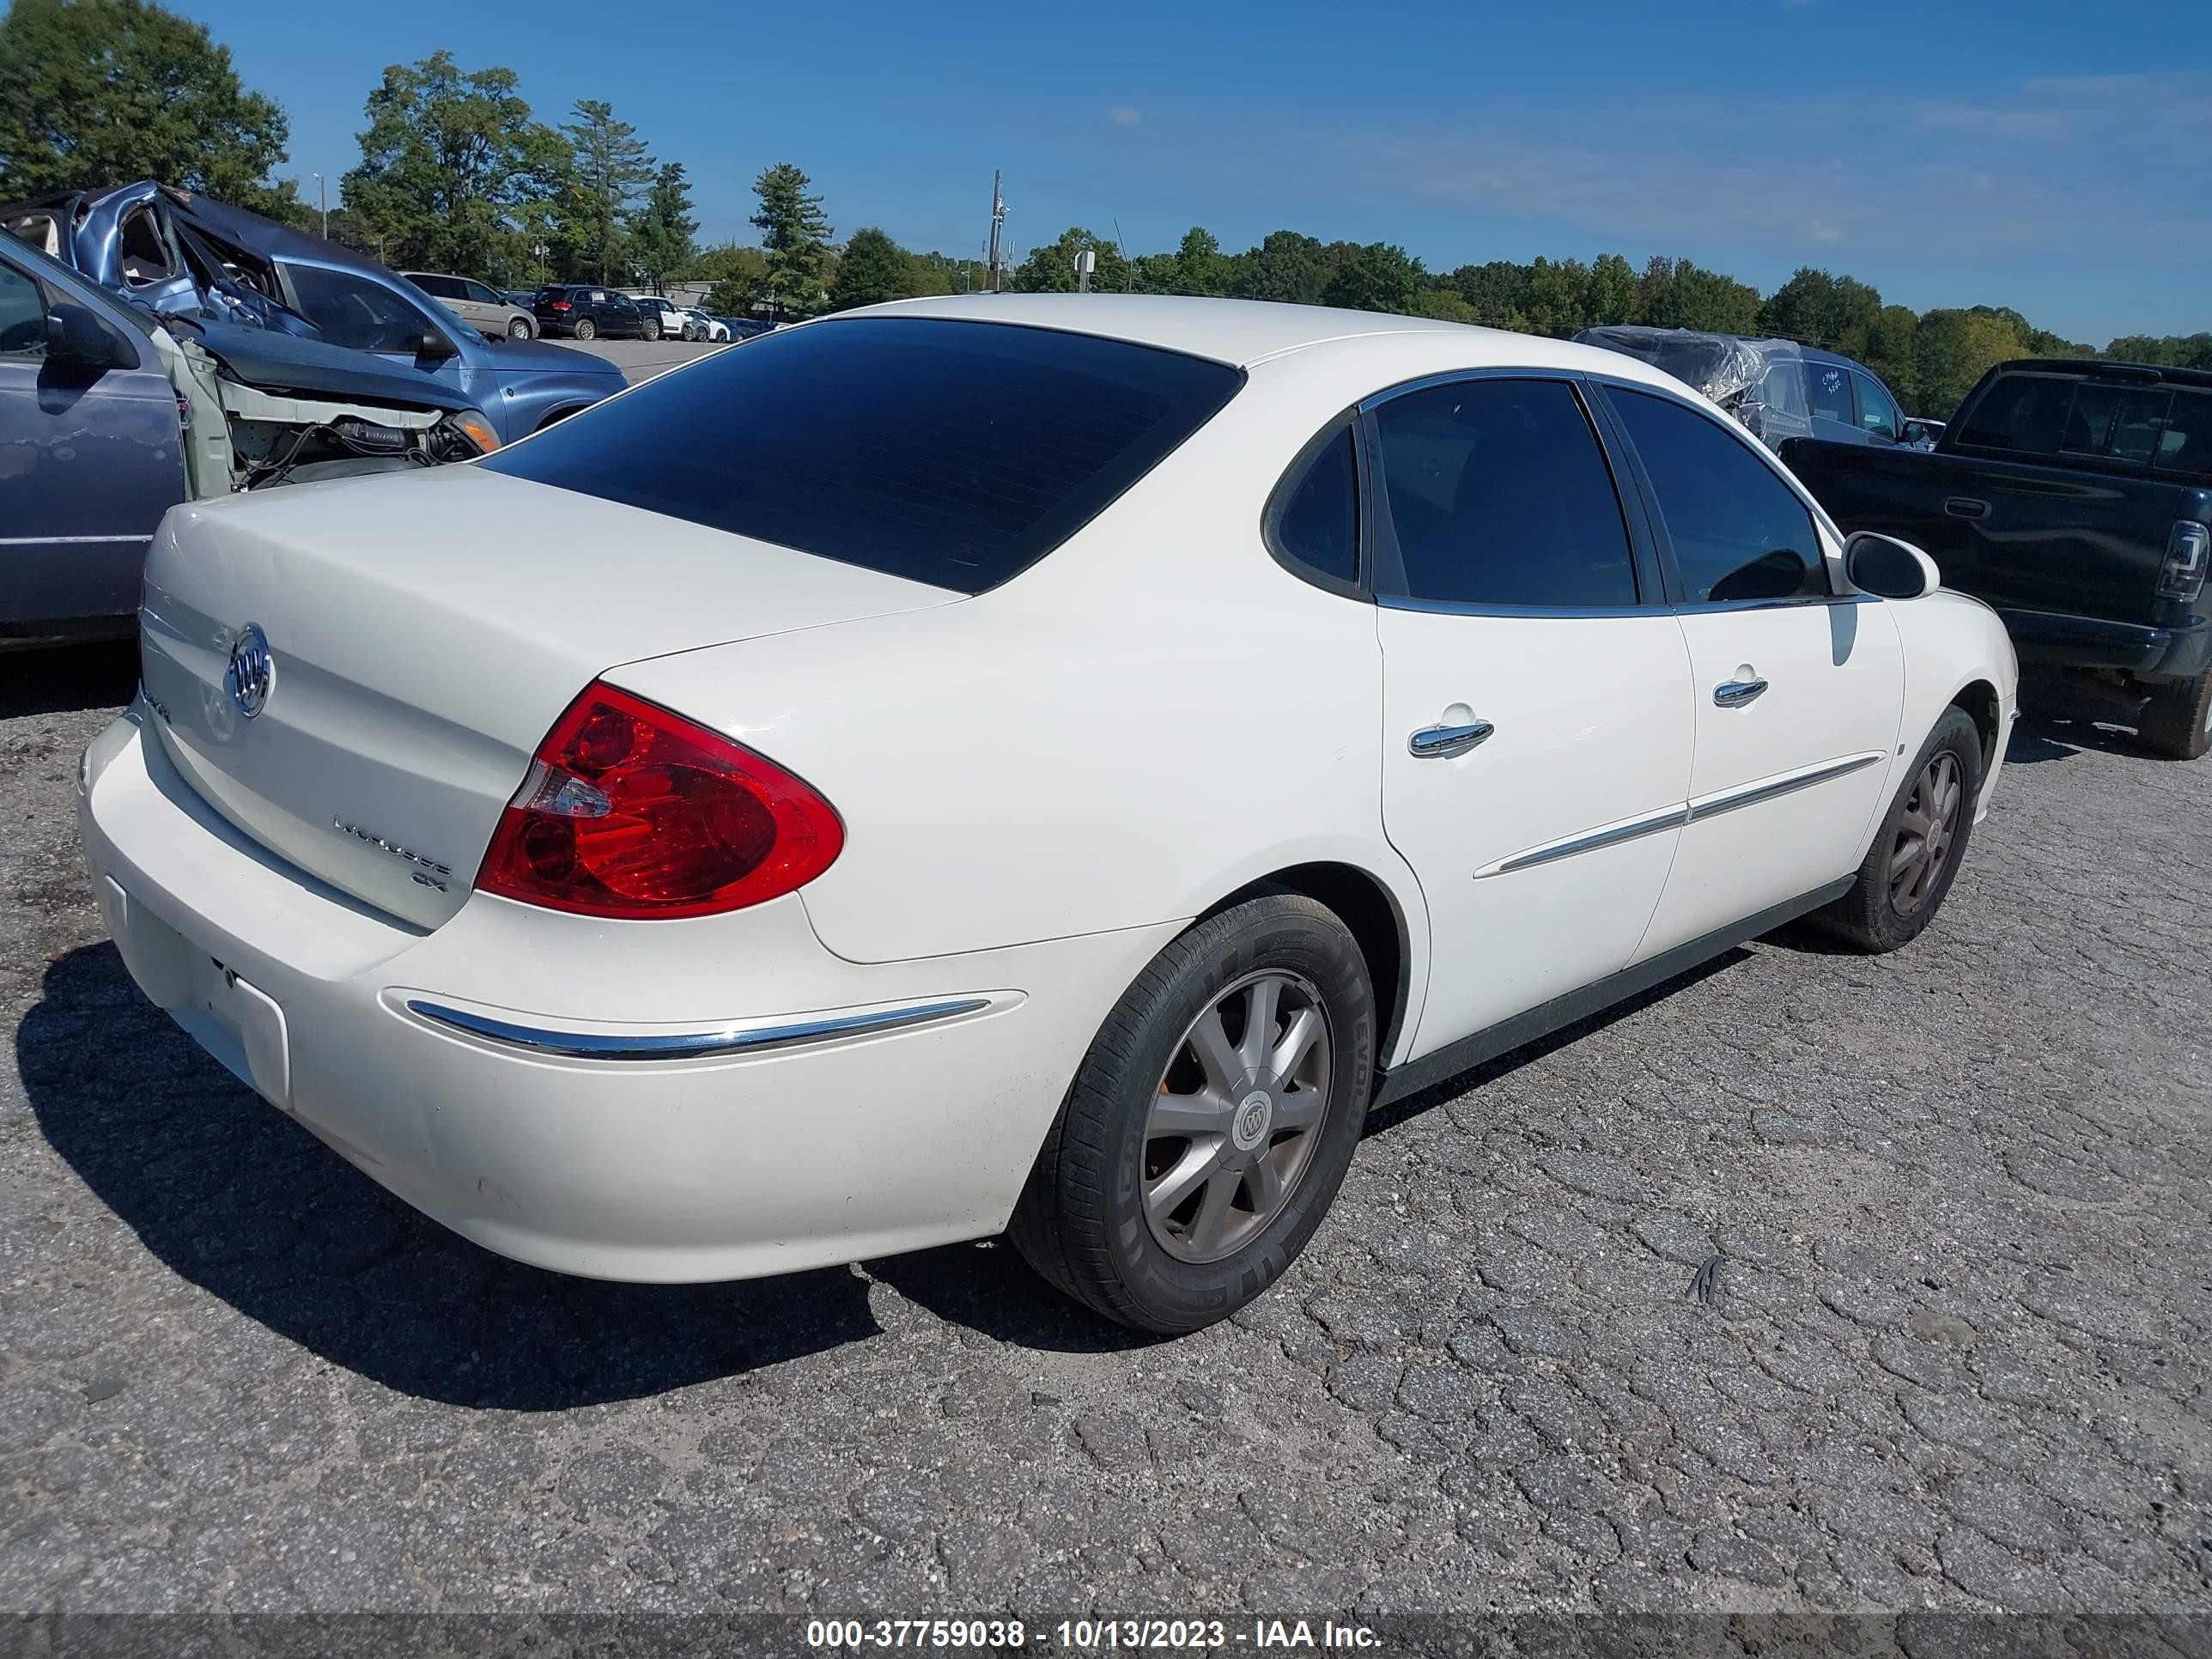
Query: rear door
(1536,696)
(1797,691)
(89,461)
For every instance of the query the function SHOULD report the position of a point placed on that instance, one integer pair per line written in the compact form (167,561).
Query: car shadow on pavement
(51,681)
(237,1198)
(1389,1117)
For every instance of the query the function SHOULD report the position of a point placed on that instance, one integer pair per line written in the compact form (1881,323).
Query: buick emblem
(252,671)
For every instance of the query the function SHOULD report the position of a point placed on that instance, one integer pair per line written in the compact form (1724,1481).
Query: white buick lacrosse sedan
(1048,764)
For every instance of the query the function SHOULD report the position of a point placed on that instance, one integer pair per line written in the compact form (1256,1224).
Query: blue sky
(2053,157)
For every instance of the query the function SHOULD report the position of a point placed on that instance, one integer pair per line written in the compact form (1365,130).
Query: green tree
(608,175)
(1494,292)
(663,233)
(739,275)
(101,92)
(452,164)
(1373,277)
(943,273)
(1444,306)
(1612,293)
(795,236)
(1050,267)
(873,269)
(1556,302)
(1891,351)
(1677,294)
(1953,349)
(1200,266)
(1286,267)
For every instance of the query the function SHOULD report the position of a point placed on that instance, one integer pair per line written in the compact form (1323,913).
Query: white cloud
(1124,116)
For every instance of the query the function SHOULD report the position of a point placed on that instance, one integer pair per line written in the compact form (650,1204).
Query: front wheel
(1210,1124)
(517,329)
(2176,723)
(587,329)
(650,329)
(1911,865)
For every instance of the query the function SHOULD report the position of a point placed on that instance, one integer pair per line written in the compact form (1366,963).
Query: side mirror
(1889,569)
(1914,433)
(433,345)
(76,338)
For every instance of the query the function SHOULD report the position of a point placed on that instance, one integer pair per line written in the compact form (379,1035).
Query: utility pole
(323,188)
(998,218)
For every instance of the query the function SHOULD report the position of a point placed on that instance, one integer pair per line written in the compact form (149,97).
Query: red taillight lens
(560,305)
(630,810)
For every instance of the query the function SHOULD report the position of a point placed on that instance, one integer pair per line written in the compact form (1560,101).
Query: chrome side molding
(1753,795)
(694,1045)
(1673,818)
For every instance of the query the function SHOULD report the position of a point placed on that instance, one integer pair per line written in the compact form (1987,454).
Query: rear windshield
(2149,423)
(955,453)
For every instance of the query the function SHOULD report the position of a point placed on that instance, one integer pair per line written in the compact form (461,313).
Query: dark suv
(588,313)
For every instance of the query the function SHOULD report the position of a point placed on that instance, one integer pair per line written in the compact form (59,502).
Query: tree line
(458,173)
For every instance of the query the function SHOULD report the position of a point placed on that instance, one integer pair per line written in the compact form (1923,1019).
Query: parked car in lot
(1779,389)
(660,316)
(172,253)
(2075,496)
(583,311)
(109,418)
(704,327)
(476,302)
(1071,760)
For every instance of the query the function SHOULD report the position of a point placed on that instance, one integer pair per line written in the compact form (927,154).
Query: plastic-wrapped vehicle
(110,416)
(1777,388)
(172,253)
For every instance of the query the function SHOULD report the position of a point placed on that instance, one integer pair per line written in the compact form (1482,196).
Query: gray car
(476,302)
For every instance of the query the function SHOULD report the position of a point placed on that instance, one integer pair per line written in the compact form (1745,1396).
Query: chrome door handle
(1442,742)
(1734,693)
(1966,507)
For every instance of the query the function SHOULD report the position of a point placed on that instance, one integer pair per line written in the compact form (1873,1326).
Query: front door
(1536,698)
(1797,692)
(89,461)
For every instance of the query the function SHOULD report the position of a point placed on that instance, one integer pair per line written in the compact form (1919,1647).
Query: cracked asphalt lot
(1953,1353)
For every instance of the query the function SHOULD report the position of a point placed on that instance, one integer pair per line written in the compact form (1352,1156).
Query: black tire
(518,328)
(1871,916)
(1081,1221)
(2176,723)
(586,328)
(651,328)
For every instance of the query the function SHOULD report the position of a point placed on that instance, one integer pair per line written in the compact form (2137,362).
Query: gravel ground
(1955,1354)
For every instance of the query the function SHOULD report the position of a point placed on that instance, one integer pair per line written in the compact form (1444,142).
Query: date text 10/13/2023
(1108,1635)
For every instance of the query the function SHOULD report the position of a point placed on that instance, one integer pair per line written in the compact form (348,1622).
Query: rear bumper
(633,1101)
(2058,640)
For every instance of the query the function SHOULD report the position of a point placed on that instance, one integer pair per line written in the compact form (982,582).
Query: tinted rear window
(955,453)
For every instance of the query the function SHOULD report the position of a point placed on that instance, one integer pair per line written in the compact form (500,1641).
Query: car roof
(2105,367)
(1245,332)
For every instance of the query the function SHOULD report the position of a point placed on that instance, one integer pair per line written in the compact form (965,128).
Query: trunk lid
(425,632)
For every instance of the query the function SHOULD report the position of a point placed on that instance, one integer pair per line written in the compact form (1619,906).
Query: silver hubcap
(1924,837)
(1233,1125)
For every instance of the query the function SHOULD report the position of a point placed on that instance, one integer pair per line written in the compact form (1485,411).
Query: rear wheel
(586,328)
(650,328)
(2176,723)
(1910,868)
(1211,1122)
(518,328)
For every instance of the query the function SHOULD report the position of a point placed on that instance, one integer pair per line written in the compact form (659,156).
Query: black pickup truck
(2074,497)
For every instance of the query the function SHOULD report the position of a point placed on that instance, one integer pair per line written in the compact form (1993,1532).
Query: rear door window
(955,453)
(1315,521)
(2019,415)
(1739,534)
(1829,386)
(1497,495)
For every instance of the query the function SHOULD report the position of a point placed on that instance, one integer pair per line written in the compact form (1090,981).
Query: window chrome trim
(1753,794)
(1635,829)
(1455,608)
(694,1045)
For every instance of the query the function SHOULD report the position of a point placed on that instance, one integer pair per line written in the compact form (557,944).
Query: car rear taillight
(630,810)
(2188,555)
(560,305)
